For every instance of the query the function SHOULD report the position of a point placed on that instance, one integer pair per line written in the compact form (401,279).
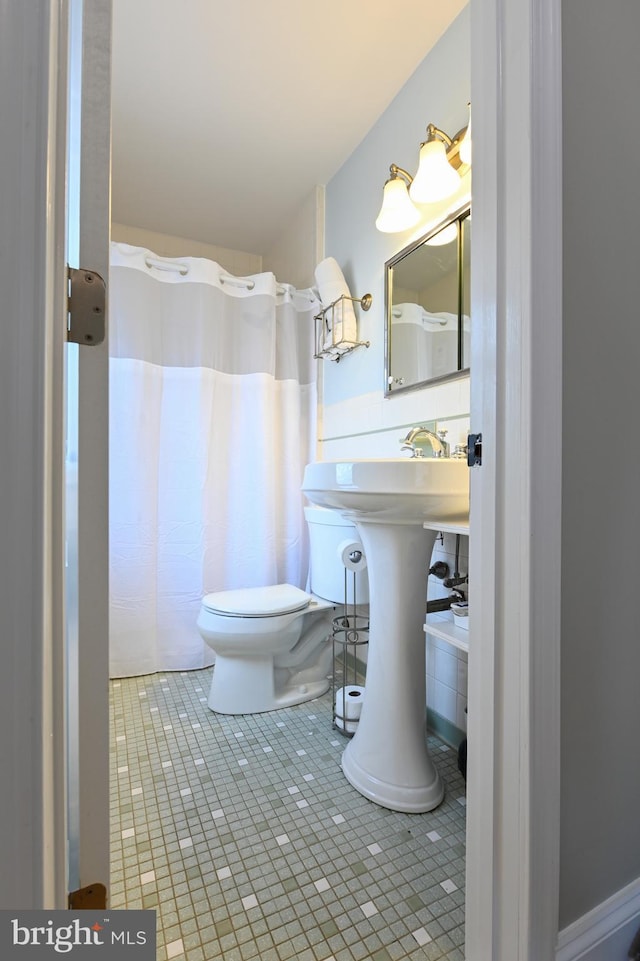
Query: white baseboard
(586,938)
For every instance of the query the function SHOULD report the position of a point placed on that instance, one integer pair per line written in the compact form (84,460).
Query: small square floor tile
(368,909)
(421,936)
(330,876)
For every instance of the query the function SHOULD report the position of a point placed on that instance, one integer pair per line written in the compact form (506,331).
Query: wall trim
(431,424)
(599,924)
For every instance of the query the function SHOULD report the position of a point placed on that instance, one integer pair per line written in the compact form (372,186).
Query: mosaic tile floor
(244,836)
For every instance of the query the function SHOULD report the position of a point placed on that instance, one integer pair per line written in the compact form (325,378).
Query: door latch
(86,307)
(474,450)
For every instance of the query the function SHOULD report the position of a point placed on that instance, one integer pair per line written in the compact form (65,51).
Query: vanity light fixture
(464,151)
(436,179)
(442,160)
(397,212)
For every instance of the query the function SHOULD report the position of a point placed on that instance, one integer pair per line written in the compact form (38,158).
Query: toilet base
(248,686)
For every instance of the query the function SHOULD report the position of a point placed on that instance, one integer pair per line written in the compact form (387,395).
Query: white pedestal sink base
(389,499)
(396,797)
(388,760)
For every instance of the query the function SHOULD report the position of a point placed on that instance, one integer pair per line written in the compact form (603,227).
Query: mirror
(427,296)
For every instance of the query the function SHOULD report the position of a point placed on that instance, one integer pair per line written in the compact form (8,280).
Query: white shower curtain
(212,419)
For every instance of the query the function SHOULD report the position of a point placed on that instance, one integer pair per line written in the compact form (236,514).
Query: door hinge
(86,307)
(474,450)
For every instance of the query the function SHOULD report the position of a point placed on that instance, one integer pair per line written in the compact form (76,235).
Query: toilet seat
(270,601)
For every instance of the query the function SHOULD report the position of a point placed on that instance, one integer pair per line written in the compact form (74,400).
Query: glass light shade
(436,178)
(465,146)
(397,212)
(444,236)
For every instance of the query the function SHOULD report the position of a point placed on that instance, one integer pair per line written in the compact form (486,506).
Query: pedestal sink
(389,500)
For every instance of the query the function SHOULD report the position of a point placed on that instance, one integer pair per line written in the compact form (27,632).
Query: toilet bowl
(273,644)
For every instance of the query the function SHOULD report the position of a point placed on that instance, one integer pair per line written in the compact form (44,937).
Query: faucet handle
(442,437)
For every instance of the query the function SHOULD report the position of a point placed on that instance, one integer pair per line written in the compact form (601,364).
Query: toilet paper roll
(351,554)
(348,706)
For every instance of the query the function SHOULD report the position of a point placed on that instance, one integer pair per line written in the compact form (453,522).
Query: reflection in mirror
(427,302)
(465,288)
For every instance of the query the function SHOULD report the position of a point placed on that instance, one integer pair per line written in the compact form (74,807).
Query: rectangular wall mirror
(427,296)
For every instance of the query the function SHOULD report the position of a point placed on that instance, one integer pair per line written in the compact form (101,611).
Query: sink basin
(389,500)
(400,489)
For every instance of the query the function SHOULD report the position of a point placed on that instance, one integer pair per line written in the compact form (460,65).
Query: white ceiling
(227,114)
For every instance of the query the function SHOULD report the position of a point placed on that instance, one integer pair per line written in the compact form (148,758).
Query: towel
(343,330)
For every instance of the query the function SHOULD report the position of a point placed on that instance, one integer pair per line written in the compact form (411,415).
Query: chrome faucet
(438,443)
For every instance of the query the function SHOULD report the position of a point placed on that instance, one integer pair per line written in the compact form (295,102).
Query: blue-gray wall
(437,92)
(600,827)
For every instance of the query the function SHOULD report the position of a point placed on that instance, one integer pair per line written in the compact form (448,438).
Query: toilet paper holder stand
(350,632)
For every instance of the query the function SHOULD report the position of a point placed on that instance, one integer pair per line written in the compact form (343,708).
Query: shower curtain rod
(183,270)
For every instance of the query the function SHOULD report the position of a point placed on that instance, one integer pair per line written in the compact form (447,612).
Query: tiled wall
(446,665)
(370,426)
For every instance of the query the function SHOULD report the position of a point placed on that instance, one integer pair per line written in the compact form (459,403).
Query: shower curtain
(212,419)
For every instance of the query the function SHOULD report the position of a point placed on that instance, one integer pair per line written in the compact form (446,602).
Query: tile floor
(244,836)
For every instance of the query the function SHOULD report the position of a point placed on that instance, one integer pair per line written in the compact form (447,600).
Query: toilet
(273,644)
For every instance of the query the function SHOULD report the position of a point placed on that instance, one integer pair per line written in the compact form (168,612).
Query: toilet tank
(329,536)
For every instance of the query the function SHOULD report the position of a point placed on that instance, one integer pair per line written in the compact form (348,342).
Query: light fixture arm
(434,133)
(396,171)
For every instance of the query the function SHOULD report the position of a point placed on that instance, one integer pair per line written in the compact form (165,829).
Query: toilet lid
(258,601)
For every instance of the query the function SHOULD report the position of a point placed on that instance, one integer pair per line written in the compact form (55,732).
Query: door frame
(32,732)
(90,210)
(513,813)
